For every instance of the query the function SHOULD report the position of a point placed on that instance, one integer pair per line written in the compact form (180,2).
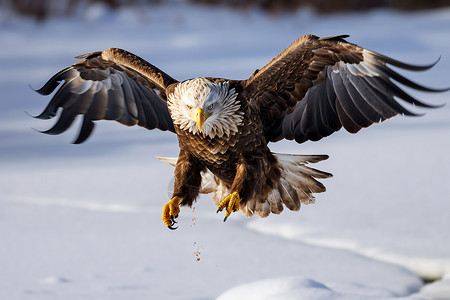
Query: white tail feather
(295,187)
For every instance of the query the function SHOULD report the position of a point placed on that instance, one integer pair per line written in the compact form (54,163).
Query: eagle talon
(172,228)
(230,203)
(170,212)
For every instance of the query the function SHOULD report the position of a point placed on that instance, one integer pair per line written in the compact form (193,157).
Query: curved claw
(172,219)
(171,227)
(230,203)
(170,212)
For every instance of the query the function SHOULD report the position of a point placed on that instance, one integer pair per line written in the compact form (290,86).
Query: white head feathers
(216,100)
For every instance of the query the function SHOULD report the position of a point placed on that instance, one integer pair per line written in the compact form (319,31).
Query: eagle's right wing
(318,85)
(109,85)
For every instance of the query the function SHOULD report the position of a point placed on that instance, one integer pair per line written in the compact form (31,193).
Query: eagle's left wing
(109,85)
(317,85)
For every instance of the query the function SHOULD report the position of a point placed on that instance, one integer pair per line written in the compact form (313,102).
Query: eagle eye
(210,106)
(188,106)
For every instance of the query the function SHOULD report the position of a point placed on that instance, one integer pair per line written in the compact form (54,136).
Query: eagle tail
(296,186)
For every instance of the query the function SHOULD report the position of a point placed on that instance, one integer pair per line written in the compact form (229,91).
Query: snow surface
(83,221)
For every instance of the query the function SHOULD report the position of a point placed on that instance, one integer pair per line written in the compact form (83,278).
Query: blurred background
(42,9)
(84,221)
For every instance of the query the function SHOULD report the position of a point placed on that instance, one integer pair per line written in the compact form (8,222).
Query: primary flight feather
(310,90)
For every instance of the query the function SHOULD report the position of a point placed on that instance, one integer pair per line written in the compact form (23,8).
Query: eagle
(312,89)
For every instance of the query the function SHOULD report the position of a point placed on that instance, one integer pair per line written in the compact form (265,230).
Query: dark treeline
(329,6)
(42,9)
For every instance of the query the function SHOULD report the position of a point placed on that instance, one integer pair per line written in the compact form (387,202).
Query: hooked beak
(200,118)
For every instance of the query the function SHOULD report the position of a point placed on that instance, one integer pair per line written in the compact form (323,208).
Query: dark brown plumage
(310,90)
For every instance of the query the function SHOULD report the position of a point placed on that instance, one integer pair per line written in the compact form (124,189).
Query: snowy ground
(83,221)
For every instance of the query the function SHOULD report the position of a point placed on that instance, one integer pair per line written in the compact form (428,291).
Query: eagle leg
(170,212)
(230,203)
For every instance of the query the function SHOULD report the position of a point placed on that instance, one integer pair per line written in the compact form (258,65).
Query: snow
(305,288)
(84,221)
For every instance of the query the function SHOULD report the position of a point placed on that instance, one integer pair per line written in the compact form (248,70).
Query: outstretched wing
(109,85)
(317,85)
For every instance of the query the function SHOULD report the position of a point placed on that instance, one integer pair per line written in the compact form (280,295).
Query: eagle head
(203,107)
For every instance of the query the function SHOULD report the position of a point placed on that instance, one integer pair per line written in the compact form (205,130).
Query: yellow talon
(230,203)
(170,211)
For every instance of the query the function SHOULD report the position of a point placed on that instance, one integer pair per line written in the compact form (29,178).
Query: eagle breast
(217,103)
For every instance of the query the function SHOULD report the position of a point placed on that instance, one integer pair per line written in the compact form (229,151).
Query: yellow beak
(199,118)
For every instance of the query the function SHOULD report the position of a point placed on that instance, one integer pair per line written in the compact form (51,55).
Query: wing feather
(99,105)
(345,120)
(380,86)
(110,85)
(362,102)
(318,85)
(354,104)
(344,95)
(65,120)
(373,98)
(85,130)
(130,100)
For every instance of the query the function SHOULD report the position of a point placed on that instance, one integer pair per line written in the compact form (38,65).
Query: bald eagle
(310,90)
